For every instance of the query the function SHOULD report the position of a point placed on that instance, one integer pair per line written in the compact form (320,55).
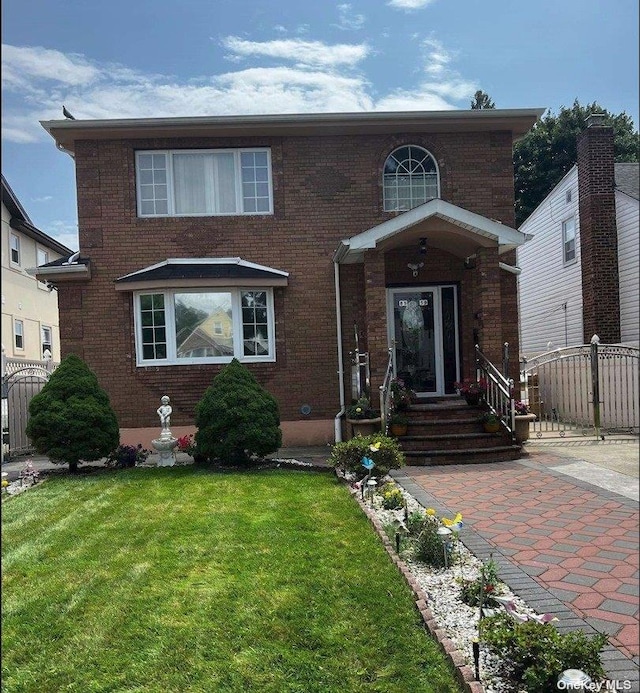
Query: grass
(182,580)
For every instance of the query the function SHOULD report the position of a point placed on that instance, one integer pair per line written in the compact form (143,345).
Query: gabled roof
(518,121)
(626,175)
(467,230)
(194,272)
(20,222)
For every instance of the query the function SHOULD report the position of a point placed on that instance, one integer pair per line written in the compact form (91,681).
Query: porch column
(376,317)
(488,304)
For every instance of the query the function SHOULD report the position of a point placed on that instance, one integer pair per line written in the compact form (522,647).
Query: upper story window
(42,259)
(410,178)
(204,326)
(204,182)
(47,341)
(568,196)
(569,240)
(15,249)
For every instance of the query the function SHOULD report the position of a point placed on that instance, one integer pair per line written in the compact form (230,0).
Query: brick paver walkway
(565,546)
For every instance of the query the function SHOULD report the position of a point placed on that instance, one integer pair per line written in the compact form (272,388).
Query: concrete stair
(449,431)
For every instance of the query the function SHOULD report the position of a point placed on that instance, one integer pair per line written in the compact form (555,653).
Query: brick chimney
(598,234)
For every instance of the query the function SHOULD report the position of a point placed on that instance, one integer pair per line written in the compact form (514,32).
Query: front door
(423,333)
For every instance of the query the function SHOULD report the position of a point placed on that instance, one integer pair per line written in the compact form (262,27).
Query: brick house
(302,229)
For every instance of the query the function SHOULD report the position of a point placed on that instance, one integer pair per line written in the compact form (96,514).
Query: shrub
(237,418)
(127,456)
(416,522)
(487,585)
(71,419)
(536,653)
(348,455)
(392,497)
(430,547)
(361,409)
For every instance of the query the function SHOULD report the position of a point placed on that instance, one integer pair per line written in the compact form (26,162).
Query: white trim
(352,249)
(237,328)
(205,261)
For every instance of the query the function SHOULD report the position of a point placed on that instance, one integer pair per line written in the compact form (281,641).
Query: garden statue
(166,443)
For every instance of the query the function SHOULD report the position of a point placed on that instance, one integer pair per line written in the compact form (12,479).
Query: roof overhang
(189,273)
(65,269)
(518,121)
(445,225)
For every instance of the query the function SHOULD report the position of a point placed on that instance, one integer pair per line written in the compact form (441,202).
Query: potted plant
(401,395)
(523,417)
(491,422)
(398,424)
(364,420)
(472,390)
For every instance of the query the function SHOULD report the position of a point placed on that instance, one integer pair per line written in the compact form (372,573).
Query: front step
(449,431)
(502,453)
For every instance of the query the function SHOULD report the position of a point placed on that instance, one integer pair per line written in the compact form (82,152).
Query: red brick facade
(326,188)
(598,235)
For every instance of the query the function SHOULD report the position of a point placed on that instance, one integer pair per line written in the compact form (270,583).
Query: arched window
(410,178)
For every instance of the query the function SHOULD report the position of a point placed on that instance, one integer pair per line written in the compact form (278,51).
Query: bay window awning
(202,272)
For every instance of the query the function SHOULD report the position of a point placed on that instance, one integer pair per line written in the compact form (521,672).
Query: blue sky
(139,58)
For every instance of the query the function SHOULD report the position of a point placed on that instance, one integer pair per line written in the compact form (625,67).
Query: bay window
(215,325)
(204,182)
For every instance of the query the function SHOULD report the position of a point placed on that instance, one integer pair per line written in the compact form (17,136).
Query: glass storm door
(423,329)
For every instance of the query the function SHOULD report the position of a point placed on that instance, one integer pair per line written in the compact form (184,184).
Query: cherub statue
(164,412)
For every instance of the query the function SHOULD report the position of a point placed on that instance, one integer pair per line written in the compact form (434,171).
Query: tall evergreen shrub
(71,419)
(237,418)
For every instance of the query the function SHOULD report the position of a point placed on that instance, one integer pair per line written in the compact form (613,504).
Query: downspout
(337,424)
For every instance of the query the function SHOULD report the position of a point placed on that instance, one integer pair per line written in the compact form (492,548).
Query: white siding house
(550,292)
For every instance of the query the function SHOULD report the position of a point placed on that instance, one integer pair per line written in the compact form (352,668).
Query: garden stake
(398,543)
(476,657)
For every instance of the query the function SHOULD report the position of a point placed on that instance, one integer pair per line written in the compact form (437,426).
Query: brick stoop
(449,431)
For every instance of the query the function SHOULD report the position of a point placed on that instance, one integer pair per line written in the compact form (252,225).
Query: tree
(237,418)
(549,150)
(71,419)
(481,100)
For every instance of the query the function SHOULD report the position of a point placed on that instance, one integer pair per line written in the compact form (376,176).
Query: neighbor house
(580,270)
(276,239)
(29,307)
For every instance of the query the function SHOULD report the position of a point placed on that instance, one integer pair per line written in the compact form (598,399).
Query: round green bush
(71,419)
(347,455)
(237,418)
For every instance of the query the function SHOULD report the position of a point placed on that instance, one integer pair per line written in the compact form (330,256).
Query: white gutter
(337,424)
(510,268)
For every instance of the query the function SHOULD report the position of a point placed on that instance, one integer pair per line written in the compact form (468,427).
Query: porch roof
(198,272)
(445,226)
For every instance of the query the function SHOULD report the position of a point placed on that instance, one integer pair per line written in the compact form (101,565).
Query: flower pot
(521,431)
(397,429)
(473,398)
(491,426)
(364,427)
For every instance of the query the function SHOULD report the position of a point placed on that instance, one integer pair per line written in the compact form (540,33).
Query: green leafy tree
(71,419)
(549,150)
(237,418)
(481,100)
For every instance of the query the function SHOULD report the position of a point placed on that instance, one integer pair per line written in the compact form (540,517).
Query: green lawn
(180,580)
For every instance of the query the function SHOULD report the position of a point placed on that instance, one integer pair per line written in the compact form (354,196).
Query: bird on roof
(66,113)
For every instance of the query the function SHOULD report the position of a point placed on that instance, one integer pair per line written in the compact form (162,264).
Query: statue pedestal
(164,446)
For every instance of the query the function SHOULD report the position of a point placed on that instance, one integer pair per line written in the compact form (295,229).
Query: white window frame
(44,343)
(42,258)
(18,334)
(171,212)
(14,247)
(574,259)
(170,327)
(389,204)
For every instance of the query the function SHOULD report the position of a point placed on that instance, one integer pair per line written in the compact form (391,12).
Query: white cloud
(347,20)
(46,198)
(409,4)
(64,232)
(311,53)
(285,76)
